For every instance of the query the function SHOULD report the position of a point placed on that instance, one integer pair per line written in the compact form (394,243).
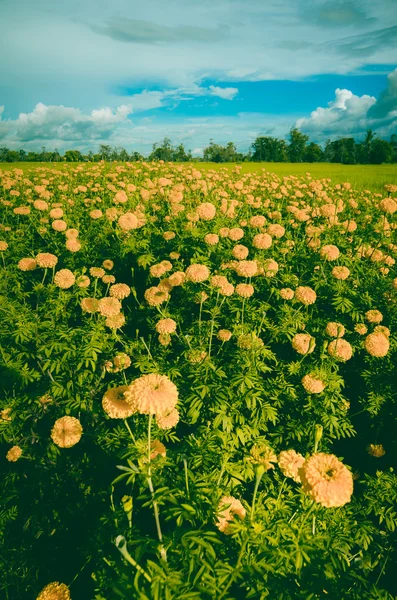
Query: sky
(79,73)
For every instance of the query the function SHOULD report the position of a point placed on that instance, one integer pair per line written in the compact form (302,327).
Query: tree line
(298,148)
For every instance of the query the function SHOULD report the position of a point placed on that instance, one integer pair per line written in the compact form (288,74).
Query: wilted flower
(89,305)
(376,450)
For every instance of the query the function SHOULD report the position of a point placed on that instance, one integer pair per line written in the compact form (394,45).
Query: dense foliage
(268,306)
(372,150)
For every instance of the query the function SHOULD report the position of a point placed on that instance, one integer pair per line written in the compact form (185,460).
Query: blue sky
(127,73)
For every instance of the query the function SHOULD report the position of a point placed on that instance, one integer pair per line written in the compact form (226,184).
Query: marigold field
(198,385)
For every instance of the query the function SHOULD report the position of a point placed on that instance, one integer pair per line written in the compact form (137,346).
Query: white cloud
(345,114)
(227,93)
(64,123)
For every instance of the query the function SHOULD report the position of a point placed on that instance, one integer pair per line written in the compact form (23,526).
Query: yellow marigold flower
(312,384)
(165,326)
(54,591)
(245,290)
(109,279)
(59,225)
(326,480)
(158,449)
(64,279)
(27,264)
(83,281)
(377,344)
(108,264)
(224,335)
(73,245)
(305,295)
(212,239)
(382,329)
(228,508)
(14,453)
(128,221)
(3,246)
(376,450)
(247,268)
(97,272)
(152,394)
(361,328)
(235,234)
(5,414)
(206,211)
(115,405)
(120,291)
(109,307)
(197,273)
(66,432)
(240,252)
(340,349)
(290,462)
(89,305)
(270,267)
(72,234)
(46,260)
(287,293)
(154,296)
(168,420)
(374,316)
(115,322)
(334,329)
(303,343)
(262,241)
(330,252)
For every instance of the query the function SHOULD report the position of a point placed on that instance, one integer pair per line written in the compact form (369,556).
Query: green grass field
(372,177)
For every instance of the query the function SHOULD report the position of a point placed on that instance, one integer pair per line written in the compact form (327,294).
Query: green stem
(259,474)
(163,552)
(129,430)
(186,477)
(121,545)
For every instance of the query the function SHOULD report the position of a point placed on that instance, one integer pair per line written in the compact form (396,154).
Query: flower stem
(259,474)
(163,552)
(186,477)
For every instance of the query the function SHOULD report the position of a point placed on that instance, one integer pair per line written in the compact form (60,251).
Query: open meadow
(198,391)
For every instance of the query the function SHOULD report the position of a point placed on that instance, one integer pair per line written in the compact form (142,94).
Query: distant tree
(313,153)
(341,151)
(105,152)
(220,154)
(73,156)
(297,145)
(7,155)
(269,149)
(381,152)
(136,156)
(180,154)
(162,152)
